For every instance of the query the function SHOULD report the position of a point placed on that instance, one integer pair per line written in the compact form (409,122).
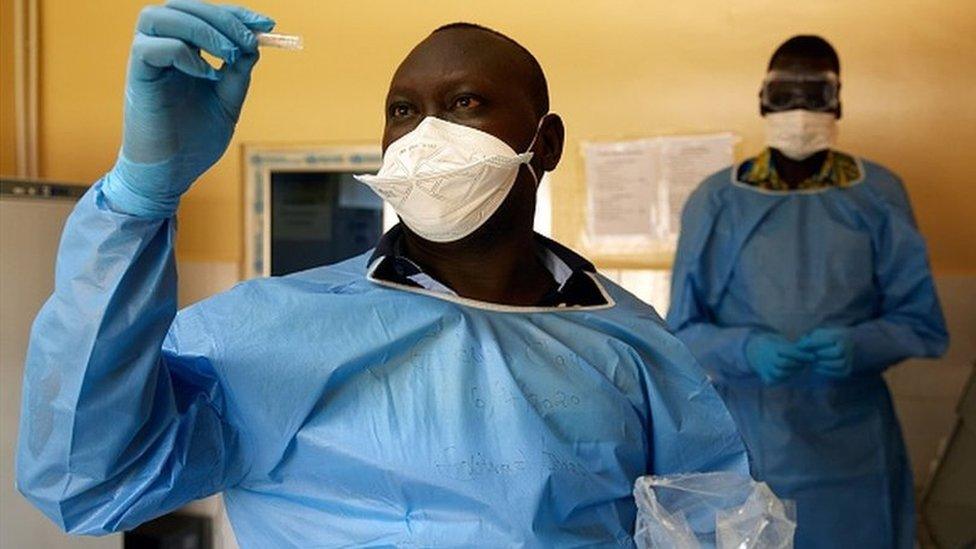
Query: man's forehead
(462,50)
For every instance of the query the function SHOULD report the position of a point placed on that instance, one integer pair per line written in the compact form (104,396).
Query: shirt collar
(569,270)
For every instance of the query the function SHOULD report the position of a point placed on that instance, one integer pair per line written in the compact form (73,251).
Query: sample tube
(281,41)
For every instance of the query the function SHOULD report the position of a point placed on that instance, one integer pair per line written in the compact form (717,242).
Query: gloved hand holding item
(834,350)
(774,358)
(180,112)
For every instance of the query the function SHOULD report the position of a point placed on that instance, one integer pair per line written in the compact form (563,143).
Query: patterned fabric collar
(838,170)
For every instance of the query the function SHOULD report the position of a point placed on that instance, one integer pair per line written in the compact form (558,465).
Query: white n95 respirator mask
(445,180)
(798,133)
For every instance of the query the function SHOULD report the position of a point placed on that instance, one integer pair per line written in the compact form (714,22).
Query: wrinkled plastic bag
(723,510)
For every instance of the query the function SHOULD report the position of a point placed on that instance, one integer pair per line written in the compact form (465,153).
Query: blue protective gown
(333,411)
(788,262)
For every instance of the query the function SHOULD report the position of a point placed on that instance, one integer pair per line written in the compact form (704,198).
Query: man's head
(807,68)
(478,77)
(805,52)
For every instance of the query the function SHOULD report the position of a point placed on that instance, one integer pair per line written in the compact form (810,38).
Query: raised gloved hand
(834,350)
(774,358)
(180,112)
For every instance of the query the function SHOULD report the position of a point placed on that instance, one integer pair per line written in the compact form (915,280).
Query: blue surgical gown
(333,411)
(788,262)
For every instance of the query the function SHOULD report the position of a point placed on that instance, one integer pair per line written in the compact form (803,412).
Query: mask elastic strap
(536,135)
(528,149)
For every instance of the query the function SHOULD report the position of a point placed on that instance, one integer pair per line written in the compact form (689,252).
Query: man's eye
(400,110)
(466,102)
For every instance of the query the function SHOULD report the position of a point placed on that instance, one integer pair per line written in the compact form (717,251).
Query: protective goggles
(811,91)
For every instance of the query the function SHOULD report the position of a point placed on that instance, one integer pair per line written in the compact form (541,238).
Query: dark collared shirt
(573,274)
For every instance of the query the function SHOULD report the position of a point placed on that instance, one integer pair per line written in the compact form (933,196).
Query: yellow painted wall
(8,153)
(616,69)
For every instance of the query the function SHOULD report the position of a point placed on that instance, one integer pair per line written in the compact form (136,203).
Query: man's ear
(552,135)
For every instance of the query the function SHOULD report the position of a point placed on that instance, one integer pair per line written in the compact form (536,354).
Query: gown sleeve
(123,416)
(910,321)
(719,349)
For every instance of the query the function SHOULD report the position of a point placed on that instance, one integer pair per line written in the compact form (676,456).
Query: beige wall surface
(616,69)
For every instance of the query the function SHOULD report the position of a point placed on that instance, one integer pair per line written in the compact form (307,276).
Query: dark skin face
(792,171)
(477,79)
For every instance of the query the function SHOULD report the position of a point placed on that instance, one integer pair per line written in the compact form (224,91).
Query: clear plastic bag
(723,510)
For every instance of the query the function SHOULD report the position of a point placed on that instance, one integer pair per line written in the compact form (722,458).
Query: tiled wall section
(201,279)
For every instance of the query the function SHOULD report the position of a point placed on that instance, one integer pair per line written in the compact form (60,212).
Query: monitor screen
(319,218)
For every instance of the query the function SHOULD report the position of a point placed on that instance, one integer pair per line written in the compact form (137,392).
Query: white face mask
(445,180)
(799,133)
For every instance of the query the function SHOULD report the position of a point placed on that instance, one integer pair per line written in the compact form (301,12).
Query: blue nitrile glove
(774,358)
(180,112)
(834,350)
